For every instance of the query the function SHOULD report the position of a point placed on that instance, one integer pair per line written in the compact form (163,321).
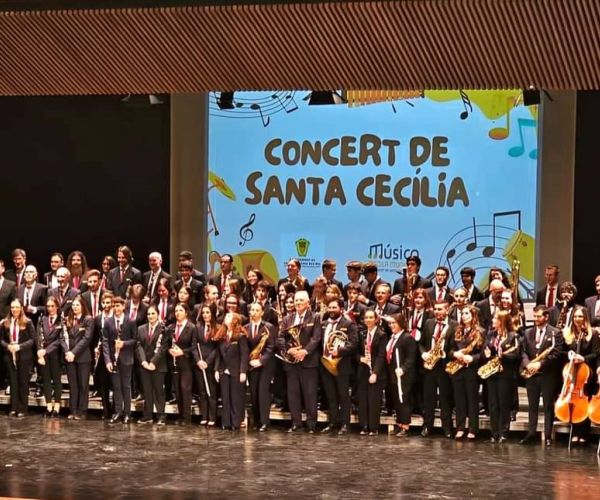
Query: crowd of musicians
(400,348)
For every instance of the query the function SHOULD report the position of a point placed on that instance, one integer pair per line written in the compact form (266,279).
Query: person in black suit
(370,272)
(302,355)
(124,275)
(119,338)
(77,266)
(592,304)
(371,373)
(465,348)
(467,276)
(221,280)
(561,315)
(253,278)
(151,353)
(354,270)
(328,270)
(488,306)
(49,331)
(207,326)
(353,309)
(461,301)
(183,350)
(164,303)
(17,337)
(196,274)
(382,305)
(261,294)
(262,364)
(57,260)
(437,334)
(196,288)
(8,292)
(75,344)
(102,378)
(19,259)
(32,294)
(231,368)
(336,382)
(64,292)
(440,291)
(499,342)
(93,295)
(135,308)
(413,266)
(108,263)
(150,278)
(548,295)
(294,277)
(400,354)
(545,341)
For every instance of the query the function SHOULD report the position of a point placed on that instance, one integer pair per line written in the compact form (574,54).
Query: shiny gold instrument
(259,348)
(292,341)
(336,339)
(455,365)
(494,365)
(435,354)
(525,373)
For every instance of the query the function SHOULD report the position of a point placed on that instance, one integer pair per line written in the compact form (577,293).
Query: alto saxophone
(455,365)
(525,373)
(258,349)
(494,365)
(435,354)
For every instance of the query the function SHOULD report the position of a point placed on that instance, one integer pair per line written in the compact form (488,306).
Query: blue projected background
(449,175)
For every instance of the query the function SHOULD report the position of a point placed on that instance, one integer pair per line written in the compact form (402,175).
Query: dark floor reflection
(68,460)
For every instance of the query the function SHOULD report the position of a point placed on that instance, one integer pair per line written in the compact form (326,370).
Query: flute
(398,381)
(204,372)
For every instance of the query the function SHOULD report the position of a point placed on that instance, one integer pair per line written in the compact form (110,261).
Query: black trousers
(153,386)
(19,382)
(500,394)
(302,385)
(433,381)
(103,383)
(369,400)
(547,386)
(465,384)
(233,394)
(403,408)
(121,382)
(51,383)
(279,383)
(337,392)
(208,404)
(259,380)
(182,384)
(78,375)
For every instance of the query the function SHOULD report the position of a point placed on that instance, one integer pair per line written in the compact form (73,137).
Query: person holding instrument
(48,353)
(207,328)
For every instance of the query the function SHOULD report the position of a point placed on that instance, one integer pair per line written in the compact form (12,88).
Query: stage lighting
(322,97)
(225,100)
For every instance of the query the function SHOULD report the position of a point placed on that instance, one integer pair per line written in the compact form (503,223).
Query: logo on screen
(302,246)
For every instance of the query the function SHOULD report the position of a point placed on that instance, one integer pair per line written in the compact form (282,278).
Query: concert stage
(60,459)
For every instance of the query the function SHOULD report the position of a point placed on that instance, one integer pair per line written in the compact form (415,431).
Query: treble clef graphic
(246,233)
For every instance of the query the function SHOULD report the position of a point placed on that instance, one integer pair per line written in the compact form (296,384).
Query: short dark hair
(370,267)
(18,251)
(264,284)
(354,264)
(328,263)
(467,271)
(185,254)
(542,308)
(186,264)
(338,300)
(414,258)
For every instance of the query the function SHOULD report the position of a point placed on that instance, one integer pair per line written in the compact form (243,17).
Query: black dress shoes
(115,418)
(127,419)
(548,443)
(294,428)
(343,430)
(162,420)
(12,413)
(55,414)
(364,431)
(528,439)
(263,428)
(20,415)
(425,432)
(449,435)
(327,429)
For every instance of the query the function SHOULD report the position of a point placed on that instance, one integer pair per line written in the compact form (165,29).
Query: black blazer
(347,352)
(208,348)
(476,295)
(8,291)
(509,361)
(458,345)
(150,350)
(65,305)
(80,336)
(485,313)
(310,338)
(87,298)
(406,347)
(11,275)
(268,350)
(216,280)
(132,276)
(529,350)
(590,305)
(432,292)
(589,349)
(356,312)
(377,354)
(540,295)
(37,299)
(170,314)
(26,341)
(419,283)
(233,356)
(146,282)
(188,339)
(140,316)
(48,335)
(197,294)
(427,338)
(128,336)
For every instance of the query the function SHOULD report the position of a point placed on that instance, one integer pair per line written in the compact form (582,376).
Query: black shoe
(548,443)
(143,421)
(311,430)
(294,428)
(115,418)
(449,434)
(127,419)
(373,433)
(327,429)
(139,397)
(343,430)
(425,432)
(161,421)
(55,414)
(502,439)
(494,439)
(263,428)
(513,416)
(528,439)
(364,431)
(47,414)
(402,433)
(20,415)
(12,413)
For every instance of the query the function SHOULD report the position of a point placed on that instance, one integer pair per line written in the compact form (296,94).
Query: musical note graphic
(516,151)
(265,120)
(490,250)
(473,245)
(467,104)
(501,133)
(246,233)
(287,98)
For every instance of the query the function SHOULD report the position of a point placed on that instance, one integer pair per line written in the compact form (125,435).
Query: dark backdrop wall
(586,252)
(83,173)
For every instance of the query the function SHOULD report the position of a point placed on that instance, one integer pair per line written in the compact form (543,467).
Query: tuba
(336,339)
(494,365)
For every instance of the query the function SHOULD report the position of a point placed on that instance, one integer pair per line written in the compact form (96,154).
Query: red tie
(103,283)
(390,350)
(95,308)
(15,329)
(76,281)
(151,333)
(163,309)
(177,333)
(122,275)
(254,331)
(18,280)
(550,297)
(133,313)
(438,332)
(440,296)
(415,325)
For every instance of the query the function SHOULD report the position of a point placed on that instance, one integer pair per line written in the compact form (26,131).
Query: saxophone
(525,373)
(435,354)
(494,365)
(455,365)
(258,349)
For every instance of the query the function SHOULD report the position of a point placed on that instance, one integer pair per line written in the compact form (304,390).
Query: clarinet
(117,350)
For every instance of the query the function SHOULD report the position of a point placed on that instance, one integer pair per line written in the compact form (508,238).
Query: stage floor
(60,459)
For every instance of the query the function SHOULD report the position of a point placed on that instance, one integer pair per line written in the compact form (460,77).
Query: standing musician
(49,330)
(460,303)
(371,373)
(412,278)
(541,352)
(17,336)
(501,342)
(151,353)
(261,344)
(488,306)
(561,315)
(302,356)
(164,302)
(230,370)
(467,277)
(183,337)
(383,306)
(124,275)
(370,272)
(434,347)
(221,280)
(593,304)
(261,294)
(355,277)
(354,310)
(465,353)
(32,294)
(582,345)
(64,292)
(400,354)
(548,295)
(150,278)
(440,291)
(339,343)
(207,328)
(119,338)
(75,342)
(57,261)
(102,378)
(294,277)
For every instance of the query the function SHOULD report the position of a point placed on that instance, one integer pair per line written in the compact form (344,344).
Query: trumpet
(336,339)
(525,373)
(494,365)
